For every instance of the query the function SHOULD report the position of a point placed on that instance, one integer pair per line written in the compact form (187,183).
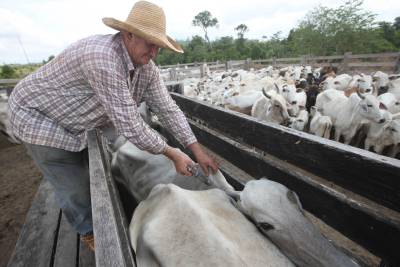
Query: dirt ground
(19,180)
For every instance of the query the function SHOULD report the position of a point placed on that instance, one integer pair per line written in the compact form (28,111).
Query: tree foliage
(7,72)
(205,20)
(241,29)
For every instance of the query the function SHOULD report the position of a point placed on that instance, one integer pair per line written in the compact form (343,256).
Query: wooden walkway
(47,239)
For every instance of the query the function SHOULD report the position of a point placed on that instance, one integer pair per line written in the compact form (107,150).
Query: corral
(348,189)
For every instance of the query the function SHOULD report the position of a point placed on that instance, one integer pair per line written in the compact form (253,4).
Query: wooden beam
(365,173)
(109,221)
(39,233)
(67,245)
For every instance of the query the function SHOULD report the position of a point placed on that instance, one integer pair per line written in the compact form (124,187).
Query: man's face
(139,50)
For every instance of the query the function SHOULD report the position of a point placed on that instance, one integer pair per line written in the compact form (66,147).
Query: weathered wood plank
(37,239)
(67,245)
(87,257)
(390,64)
(366,173)
(374,227)
(109,222)
(379,55)
(9,81)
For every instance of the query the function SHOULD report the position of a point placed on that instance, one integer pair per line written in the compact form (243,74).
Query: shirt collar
(125,56)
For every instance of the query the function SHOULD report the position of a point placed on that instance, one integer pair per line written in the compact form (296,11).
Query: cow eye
(265,226)
(369,105)
(277,106)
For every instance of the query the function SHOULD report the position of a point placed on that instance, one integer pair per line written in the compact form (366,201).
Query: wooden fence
(347,63)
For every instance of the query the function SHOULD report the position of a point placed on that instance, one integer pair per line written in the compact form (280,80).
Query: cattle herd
(362,110)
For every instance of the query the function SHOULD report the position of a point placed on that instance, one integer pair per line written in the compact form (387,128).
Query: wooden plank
(373,226)
(109,222)
(9,81)
(67,245)
(86,257)
(379,55)
(390,64)
(37,239)
(365,173)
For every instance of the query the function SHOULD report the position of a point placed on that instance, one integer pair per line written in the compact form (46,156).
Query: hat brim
(160,40)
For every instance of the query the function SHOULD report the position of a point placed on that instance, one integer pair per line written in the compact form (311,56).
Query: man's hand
(180,159)
(204,160)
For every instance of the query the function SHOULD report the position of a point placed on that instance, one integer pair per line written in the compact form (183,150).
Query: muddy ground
(19,181)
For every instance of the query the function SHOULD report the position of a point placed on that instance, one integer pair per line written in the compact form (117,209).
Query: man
(97,80)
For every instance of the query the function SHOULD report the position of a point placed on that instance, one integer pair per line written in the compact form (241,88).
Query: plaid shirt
(88,85)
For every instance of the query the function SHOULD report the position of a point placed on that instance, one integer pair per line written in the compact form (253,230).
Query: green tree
(326,31)
(7,72)
(241,29)
(205,20)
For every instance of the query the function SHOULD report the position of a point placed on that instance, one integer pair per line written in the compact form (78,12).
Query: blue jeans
(68,173)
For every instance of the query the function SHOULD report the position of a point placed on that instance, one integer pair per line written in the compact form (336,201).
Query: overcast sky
(45,27)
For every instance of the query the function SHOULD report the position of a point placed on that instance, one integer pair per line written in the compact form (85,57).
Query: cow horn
(276,88)
(265,94)
(359,94)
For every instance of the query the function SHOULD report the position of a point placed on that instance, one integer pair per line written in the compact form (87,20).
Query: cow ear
(382,106)
(396,116)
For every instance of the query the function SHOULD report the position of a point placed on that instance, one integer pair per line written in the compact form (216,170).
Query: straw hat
(147,21)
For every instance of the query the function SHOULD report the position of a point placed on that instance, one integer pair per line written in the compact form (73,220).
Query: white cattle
(278,213)
(364,82)
(320,125)
(380,81)
(298,102)
(381,135)
(348,114)
(277,109)
(341,82)
(300,122)
(328,83)
(243,102)
(260,108)
(177,227)
(390,101)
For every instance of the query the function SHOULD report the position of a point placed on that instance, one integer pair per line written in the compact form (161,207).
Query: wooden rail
(388,62)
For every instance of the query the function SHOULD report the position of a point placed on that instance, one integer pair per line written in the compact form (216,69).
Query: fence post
(228,65)
(397,66)
(274,62)
(203,70)
(345,63)
(172,74)
(303,60)
(247,64)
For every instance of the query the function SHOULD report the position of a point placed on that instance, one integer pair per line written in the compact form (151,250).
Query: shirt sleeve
(114,95)
(169,114)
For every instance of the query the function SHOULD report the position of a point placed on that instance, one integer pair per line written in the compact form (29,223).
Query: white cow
(320,125)
(300,122)
(381,135)
(348,114)
(390,101)
(243,101)
(341,82)
(278,213)
(177,227)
